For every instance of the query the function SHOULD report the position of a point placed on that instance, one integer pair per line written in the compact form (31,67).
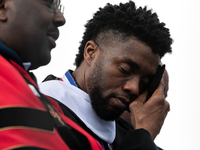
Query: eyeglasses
(57,6)
(61,8)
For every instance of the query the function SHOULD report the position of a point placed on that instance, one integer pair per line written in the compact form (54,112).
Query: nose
(132,87)
(59,19)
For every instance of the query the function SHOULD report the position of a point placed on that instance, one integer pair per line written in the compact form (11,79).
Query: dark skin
(126,114)
(34,29)
(126,69)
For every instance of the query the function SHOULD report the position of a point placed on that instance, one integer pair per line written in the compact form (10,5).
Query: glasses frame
(57,6)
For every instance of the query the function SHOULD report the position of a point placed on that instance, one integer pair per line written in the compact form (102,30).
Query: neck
(79,77)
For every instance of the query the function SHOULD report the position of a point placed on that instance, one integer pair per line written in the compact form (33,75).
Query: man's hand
(150,115)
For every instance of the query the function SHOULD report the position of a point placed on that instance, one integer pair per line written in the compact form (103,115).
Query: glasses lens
(61,8)
(57,3)
(57,6)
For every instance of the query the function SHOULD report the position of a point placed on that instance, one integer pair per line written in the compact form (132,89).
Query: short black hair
(129,21)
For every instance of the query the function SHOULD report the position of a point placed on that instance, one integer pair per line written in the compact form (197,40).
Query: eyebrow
(131,62)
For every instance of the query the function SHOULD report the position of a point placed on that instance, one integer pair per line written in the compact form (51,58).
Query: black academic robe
(126,137)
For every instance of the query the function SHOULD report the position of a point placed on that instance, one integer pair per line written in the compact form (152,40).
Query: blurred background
(181,129)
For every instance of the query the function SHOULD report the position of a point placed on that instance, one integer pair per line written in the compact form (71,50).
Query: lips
(122,102)
(53,36)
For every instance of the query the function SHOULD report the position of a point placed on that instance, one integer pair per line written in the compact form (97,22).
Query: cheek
(112,86)
(112,80)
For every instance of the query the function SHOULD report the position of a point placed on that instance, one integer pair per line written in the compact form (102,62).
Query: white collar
(79,102)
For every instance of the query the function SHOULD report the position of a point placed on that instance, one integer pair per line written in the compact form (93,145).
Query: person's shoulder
(14,90)
(6,68)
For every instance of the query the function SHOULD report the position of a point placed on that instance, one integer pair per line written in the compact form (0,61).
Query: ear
(3,16)
(90,52)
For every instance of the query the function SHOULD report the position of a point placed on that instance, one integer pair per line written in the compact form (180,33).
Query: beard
(99,103)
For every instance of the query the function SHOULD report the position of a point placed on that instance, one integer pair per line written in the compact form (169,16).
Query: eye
(125,69)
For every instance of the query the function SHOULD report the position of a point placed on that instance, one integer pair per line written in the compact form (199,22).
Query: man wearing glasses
(29,120)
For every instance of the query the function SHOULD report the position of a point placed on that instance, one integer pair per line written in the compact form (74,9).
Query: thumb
(141,99)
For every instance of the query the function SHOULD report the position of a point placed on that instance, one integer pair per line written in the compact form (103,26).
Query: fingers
(167,105)
(166,82)
(150,115)
(141,98)
(161,90)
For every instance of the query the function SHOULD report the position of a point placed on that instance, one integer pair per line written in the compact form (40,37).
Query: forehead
(131,51)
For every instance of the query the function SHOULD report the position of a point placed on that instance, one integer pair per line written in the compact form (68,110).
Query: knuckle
(167,105)
(160,99)
(134,104)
